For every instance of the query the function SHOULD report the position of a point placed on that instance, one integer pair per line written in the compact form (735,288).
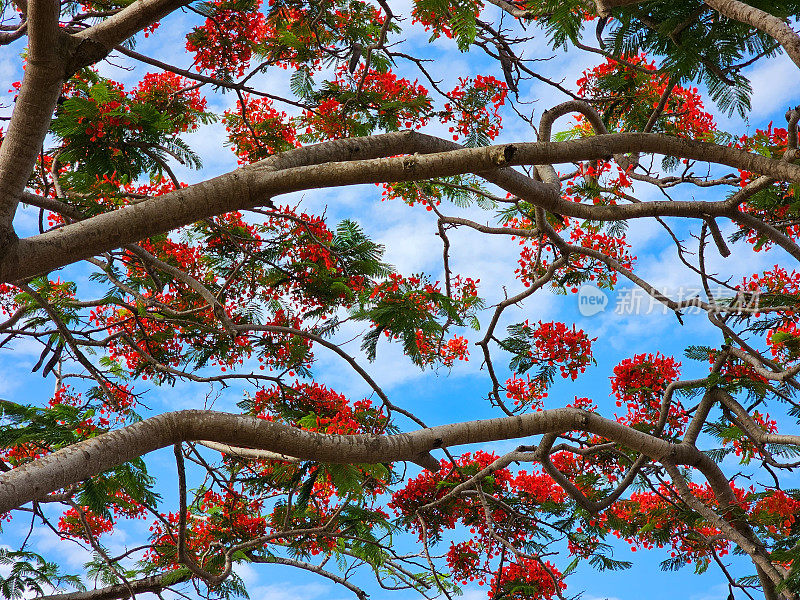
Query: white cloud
(285,590)
(717,592)
(474,594)
(390,368)
(774,87)
(48,543)
(411,245)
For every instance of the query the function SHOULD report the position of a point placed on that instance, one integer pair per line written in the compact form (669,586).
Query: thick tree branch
(152,584)
(30,119)
(82,460)
(313,167)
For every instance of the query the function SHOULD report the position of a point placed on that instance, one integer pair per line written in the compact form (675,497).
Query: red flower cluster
(627,91)
(742,445)
(474,109)
(777,204)
(470,560)
(8,305)
(640,383)
(647,519)
(533,261)
(222,520)
(224,43)
(654,518)
(784,342)
(174,96)
(256,130)
(557,344)
(357,103)
(105,130)
(313,275)
(778,511)
(316,408)
(782,287)
(71,525)
(526,392)
(614,246)
(776,281)
(316,28)
(527,579)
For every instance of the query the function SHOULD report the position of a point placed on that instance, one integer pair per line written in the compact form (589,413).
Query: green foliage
(524,355)
(697,44)
(362,524)
(602,562)
(409,310)
(107,132)
(97,569)
(30,573)
(461,190)
(348,479)
(42,428)
(304,494)
(357,253)
(456,17)
(301,83)
(462,20)
(132,478)
(563,20)
(354,260)
(700,353)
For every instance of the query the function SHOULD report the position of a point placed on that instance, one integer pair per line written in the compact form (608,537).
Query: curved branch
(11,36)
(284,173)
(247,453)
(768,573)
(279,560)
(153,584)
(96,455)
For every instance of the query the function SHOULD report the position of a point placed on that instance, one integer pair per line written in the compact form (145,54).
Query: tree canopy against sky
(138,292)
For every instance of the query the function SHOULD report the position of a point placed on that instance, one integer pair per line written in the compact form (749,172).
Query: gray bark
(75,463)
(356,160)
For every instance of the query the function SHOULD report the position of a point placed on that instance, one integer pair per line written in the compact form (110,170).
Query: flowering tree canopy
(136,281)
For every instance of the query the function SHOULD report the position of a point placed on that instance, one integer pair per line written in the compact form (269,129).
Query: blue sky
(408,234)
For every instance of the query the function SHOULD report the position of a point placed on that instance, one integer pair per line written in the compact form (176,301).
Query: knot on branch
(502,156)
(8,244)
(603,9)
(87,52)
(410,163)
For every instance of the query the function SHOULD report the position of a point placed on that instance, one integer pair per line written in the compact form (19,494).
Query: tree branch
(93,456)
(311,167)
(155,584)
(30,119)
